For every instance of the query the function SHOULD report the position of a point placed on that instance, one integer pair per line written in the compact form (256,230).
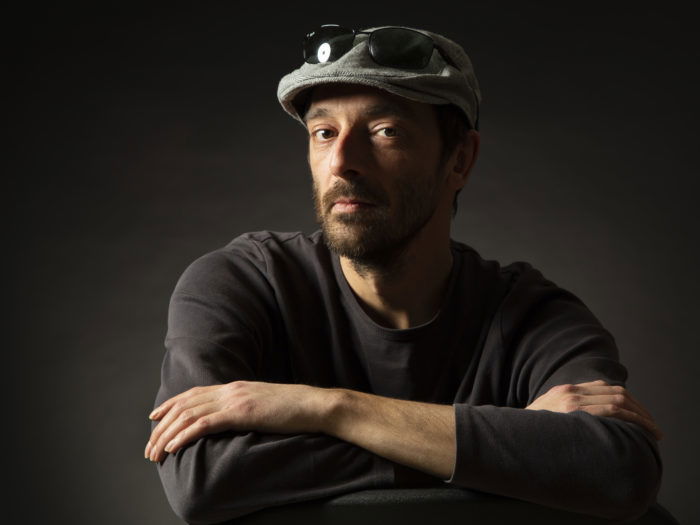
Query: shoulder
(542,330)
(269,245)
(498,276)
(249,259)
(520,290)
(532,307)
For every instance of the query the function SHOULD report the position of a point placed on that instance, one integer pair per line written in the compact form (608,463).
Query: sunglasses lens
(326,44)
(401,48)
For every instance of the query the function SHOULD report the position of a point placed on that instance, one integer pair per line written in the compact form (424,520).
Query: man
(377,352)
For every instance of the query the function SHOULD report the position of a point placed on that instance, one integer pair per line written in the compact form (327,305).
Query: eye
(322,134)
(389,132)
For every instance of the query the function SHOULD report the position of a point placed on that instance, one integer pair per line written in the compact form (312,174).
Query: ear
(465,157)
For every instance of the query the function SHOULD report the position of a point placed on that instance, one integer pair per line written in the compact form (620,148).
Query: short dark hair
(453,125)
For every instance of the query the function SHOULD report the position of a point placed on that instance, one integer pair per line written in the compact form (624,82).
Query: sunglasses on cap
(396,47)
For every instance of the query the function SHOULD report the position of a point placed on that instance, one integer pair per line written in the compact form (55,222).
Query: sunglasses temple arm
(446,57)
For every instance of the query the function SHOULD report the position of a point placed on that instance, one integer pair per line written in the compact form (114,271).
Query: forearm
(224,476)
(227,474)
(418,435)
(576,462)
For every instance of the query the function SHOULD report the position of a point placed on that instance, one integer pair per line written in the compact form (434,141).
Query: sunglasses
(395,47)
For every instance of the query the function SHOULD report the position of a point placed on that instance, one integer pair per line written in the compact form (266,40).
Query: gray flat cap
(438,83)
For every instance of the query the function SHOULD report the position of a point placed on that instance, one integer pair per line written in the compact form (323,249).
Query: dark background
(143,138)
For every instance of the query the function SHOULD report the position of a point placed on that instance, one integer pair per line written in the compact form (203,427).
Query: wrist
(334,408)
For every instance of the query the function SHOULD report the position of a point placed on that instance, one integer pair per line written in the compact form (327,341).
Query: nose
(349,155)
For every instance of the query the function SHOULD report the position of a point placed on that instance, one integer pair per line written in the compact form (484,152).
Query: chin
(368,244)
(347,240)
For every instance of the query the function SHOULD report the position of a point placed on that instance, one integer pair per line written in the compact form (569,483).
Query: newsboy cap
(442,81)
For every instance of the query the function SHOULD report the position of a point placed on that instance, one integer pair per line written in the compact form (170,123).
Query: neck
(406,289)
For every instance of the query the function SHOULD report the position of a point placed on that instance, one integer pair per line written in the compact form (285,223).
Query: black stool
(428,506)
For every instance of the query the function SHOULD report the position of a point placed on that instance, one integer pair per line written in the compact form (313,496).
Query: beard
(375,237)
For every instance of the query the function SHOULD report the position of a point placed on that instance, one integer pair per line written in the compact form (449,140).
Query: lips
(353,201)
(354,196)
(350,205)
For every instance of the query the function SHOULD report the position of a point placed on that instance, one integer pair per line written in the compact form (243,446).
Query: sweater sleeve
(220,322)
(601,466)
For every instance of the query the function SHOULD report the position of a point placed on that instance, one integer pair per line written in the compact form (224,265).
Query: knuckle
(187,416)
(234,386)
(571,404)
(592,409)
(204,423)
(564,389)
(619,399)
(613,409)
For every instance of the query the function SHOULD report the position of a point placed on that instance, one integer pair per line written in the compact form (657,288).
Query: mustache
(357,190)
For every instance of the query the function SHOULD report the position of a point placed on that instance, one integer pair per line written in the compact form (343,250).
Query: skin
(384,202)
(382,154)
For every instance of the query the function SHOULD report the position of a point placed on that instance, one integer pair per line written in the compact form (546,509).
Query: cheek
(316,172)
(412,156)
(318,163)
(319,189)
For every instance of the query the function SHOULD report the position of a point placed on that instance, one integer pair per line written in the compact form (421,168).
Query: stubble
(375,239)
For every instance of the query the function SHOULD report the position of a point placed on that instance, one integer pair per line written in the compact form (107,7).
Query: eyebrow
(372,111)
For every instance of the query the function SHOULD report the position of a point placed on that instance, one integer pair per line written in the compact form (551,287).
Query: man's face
(375,164)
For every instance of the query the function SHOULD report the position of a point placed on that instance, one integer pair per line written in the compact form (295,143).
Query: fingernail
(153,414)
(147,451)
(169,446)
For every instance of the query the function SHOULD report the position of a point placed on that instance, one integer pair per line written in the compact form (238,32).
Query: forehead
(329,99)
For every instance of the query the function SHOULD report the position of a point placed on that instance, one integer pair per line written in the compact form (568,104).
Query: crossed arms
(419,435)
(249,439)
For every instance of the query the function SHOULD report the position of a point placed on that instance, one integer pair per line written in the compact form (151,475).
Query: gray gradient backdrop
(144,138)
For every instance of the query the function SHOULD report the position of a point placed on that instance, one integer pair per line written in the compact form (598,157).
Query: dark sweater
(276,307)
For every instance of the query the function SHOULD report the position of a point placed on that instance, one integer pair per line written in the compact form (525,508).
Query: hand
(597,398)
(240,405)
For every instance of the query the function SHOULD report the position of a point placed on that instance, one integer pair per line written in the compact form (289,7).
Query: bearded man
(379,352)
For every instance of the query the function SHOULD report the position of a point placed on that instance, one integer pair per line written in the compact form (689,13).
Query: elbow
(196,496)
(632,501)
(191,505)
(634,490)
(626,476)
(200,509)
(191,510)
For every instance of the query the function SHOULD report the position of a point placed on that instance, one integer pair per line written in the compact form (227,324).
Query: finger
(186,418)
(209,424)
(639,407)
(624,414)
(597,382)
(619,400)
(186,402)
(155,442)
(163,408)
(614,390)
(163,425)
